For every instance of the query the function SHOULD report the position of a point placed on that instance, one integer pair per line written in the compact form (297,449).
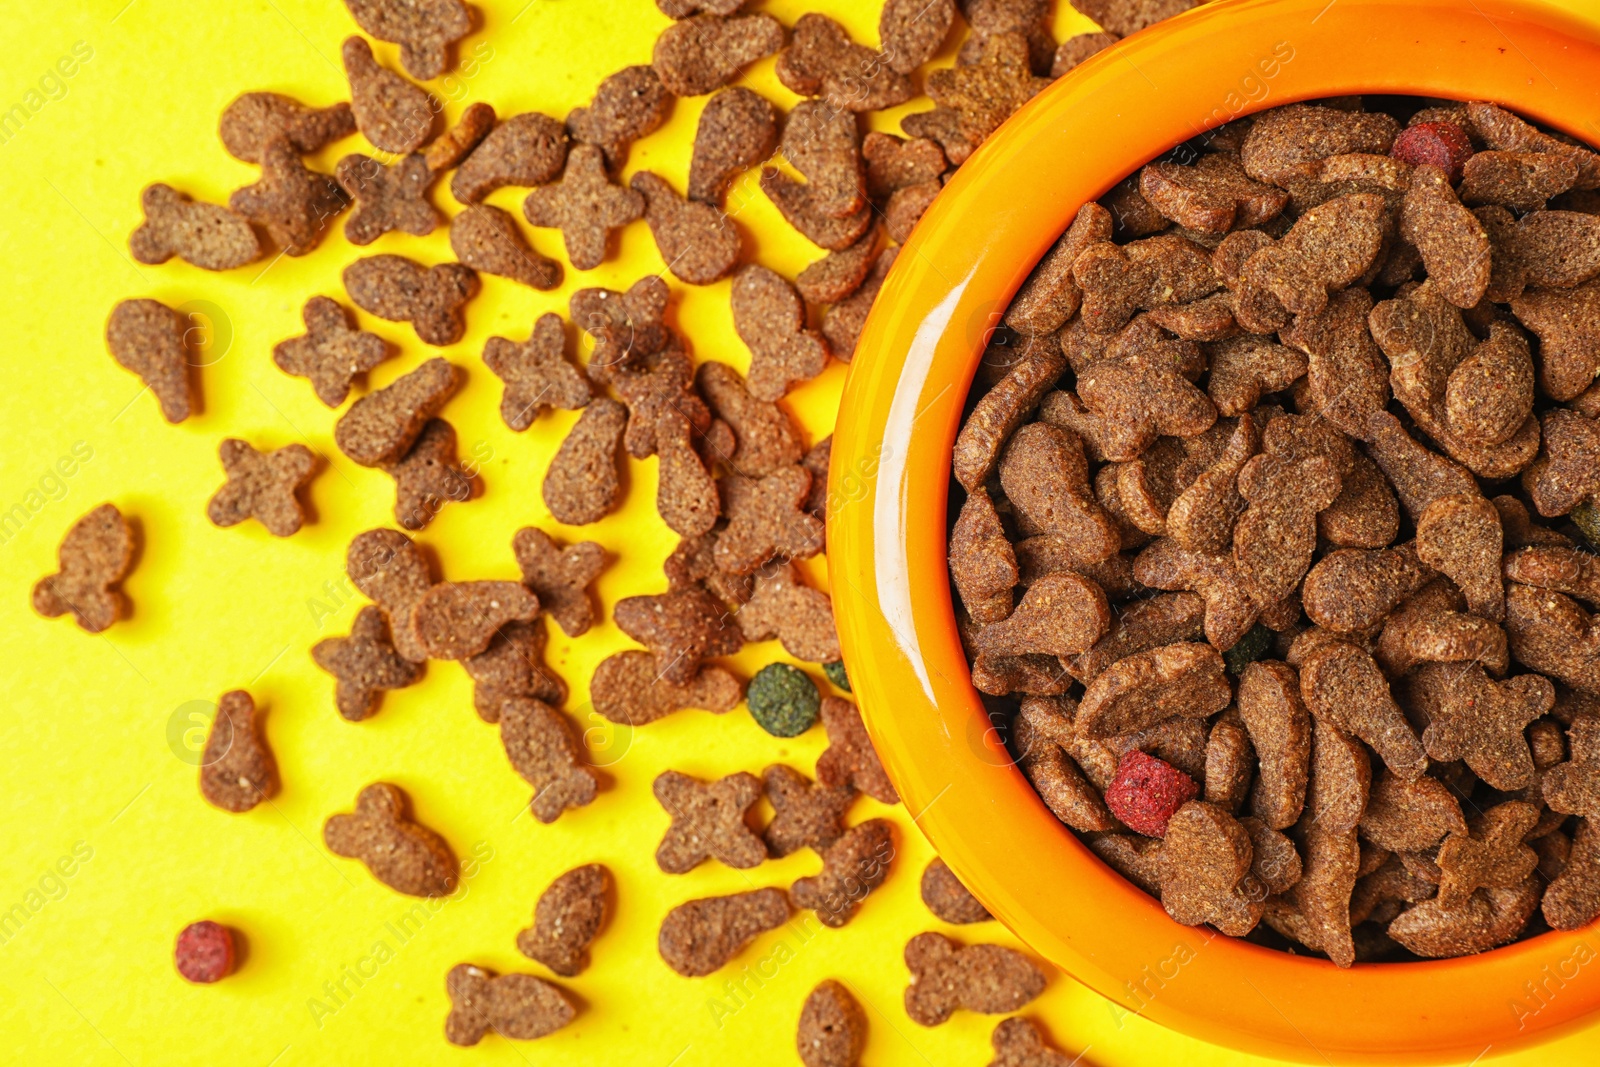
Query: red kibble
(1146,792)
(1441,144)
(205,951)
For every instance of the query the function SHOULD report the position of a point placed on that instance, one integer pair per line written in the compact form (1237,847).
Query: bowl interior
(891,471)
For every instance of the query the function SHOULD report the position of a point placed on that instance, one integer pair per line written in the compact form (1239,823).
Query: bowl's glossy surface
(887,523)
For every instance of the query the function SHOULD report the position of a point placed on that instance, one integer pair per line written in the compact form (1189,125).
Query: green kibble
(783,700)
(1249,648)
(1586,517)
(836,675)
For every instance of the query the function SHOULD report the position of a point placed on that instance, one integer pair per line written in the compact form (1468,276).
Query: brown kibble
(947,898)
(1489,918)
(293,204)
(782,606)
(1341,684)
(1347,376)
(942,124)
(402,854)
(1143,395)
(560,577)
(765,437)
(1573,787)
(1141,626)
(262,486)
(770,319)
(526,149)
(1483,722)
(381,427)
(1460,537)
(428,476)
(1275,537)
(1212,196)
(585,205)
(424,30)
(1287,143)
(148,338)
(537,374)
(1557,567)
(1202,517)
(913,31)
(946,976)
(998,415)
(390,570)
(682,627)
(583,484)
(706,52)
(983,563)
(797,202)
(766,519)
(630,104)
(709,820)
(850,758)
(513,666)
(365,664)
(1454,246)
(485,238)
(1061,614)
(1490,855)
(207,235)
(1573,898)
(823,61)
(454,620)
(567,919)
(1522,532)
(237,770)
(1429,628)
(700,936)
(833,1028)
(1341,778)
(1030,19)
(1075,50)
(1181,679)
(1119,280)
(1503,131)
(804,813)
(331,353)
(853,866)
(1280,732)
(1320,900)
(1568,474)
(1519,180)
(1331,246)
(403,290)
(1127,17)
(1051,295)
(94,557)
(1366,513)
(1410,816)
(1204,859)
(1419,475)
(253,119)
(627,328)
(517,1006)
(1351,590)
(395,115)
(1229,613)
(822,143)
(1048,752)
(1045,476)
(699,243)
(843,323)
(737,130)
(456,143)
(629,687)
(1547,249)
(986,93)
(1246,366)
(1567,322)
(540,743)
(393,197)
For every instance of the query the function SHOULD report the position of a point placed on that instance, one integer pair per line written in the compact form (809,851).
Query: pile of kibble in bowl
(1278,499)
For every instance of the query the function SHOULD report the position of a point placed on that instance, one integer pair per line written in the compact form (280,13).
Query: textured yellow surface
(109,849)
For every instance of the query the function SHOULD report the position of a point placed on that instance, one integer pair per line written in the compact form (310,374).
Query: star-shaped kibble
(1491,854)
(261,486)
(1483,722)
(585,205)
(804,813)
(683,627)
(387,198)
(708,821)
(988,91)
(767,518)
(537,374)
(293,204)
(1573,787)
(331,352)
(365,663)
(428,477)
(560,577)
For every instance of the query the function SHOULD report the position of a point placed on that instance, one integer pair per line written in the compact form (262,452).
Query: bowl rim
(887,504)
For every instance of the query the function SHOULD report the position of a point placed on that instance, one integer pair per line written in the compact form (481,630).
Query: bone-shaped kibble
(1142,690)
(628,687)
(853,866)
(454,620)
(560,577)
(403,290)
(682,627)
(95,555)
(699,54)
(253,119)
(207,235)
(1046,477)
(946,976)
(424,29)
(293,204)
(381,427)
(262,486)
(237,770)
(365,664)
(699,243)
(628,105)
(486,238)
(1275,537)
(804,813)
(782,606)
(518,1006)
(542,748)
(700,936)
(331,353)
(1341,684)
(766,519)
(402,854)
(770,318)
(537,373)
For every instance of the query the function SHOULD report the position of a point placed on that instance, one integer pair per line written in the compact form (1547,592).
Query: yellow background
(85,758)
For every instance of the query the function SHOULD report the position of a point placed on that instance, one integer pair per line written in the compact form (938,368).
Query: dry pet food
(946,976)
(95,555)
(709,821)
(206,235)
(537,373)
(148,338)
(584,484)
(403,290)
(401,853)
(853,866)
(559,577)
(699,937)
(850,759)
(783,700)
(525,149)
(805,814)
(706,52)
(947,898)
(542,748)
(456,143)
(262,486)
(237,770)
(424,29)
(365,664)
(382,426)
(737,130)
(293,204)
(393,197)
(833,1028)
(253,119)
(393,114)
(698,241)
(630,104)
(331,353)
(454,620)
(390,570)
(204,952)
(567,919)
(585,205)
(770,318)
(519,1006)
(485,238)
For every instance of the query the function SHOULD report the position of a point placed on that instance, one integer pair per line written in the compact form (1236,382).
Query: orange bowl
(891,473)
